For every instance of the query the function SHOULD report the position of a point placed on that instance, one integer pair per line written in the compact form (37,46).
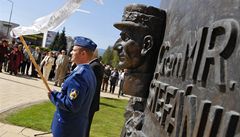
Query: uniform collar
(95,59)
(79,66)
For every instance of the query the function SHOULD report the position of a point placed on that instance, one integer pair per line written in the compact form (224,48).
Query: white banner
(51,21)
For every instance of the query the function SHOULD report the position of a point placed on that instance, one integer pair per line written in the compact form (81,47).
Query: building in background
(5,28)
(50,38)
(35,39)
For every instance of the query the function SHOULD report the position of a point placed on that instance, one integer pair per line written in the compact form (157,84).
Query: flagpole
(34,62)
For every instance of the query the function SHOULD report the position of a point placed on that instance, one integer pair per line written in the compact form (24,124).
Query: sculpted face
(140,39)
(129,47)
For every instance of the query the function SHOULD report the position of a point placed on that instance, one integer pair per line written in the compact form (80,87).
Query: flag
(51,21)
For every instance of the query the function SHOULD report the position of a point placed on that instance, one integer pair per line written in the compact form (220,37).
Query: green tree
(107,56)
(54,44)
(62,42)
(115,59)
(110,57)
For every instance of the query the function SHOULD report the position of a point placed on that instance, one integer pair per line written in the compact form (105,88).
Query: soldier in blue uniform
(74,100)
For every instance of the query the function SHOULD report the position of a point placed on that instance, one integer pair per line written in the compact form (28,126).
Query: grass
(107,122)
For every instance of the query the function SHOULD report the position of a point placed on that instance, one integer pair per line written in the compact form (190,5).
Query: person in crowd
(47,64)
(37,56)
(106,75)
(121,80)
(142,30)
(16,58)
(3,52)
(7,59)
(98,70)
(74,101)
(113,80)
(52,73)
(43,55)
(61,68)
(20,49)
(26,63)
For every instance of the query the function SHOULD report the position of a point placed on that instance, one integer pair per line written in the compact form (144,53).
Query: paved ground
(18,91)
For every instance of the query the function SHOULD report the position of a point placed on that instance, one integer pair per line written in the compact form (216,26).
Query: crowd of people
(113,77)
(55,66)
(15,60)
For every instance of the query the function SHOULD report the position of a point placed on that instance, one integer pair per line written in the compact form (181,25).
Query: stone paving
(19,91)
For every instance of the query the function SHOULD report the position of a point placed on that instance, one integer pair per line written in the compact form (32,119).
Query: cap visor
(127,24)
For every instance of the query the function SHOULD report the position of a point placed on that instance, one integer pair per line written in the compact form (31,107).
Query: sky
(98,25)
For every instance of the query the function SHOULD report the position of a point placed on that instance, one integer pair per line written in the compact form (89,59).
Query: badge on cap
(73,95)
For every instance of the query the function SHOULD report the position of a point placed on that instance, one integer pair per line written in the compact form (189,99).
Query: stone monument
(195,88)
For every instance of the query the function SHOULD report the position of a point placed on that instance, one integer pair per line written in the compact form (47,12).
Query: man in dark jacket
(98,70)
(106,76)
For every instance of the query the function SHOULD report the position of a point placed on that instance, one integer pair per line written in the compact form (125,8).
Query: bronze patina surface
(142,30)
(195,88)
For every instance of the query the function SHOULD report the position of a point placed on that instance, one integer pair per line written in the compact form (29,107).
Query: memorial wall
(195,90)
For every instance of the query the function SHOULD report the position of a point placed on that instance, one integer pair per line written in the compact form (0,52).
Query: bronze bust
(142,31)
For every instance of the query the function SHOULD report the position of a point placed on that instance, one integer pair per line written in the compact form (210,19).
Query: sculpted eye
(124,37)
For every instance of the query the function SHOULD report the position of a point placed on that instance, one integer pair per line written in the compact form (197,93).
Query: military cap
(85,43)
(141,16)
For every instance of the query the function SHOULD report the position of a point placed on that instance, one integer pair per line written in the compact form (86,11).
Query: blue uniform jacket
(73,103)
